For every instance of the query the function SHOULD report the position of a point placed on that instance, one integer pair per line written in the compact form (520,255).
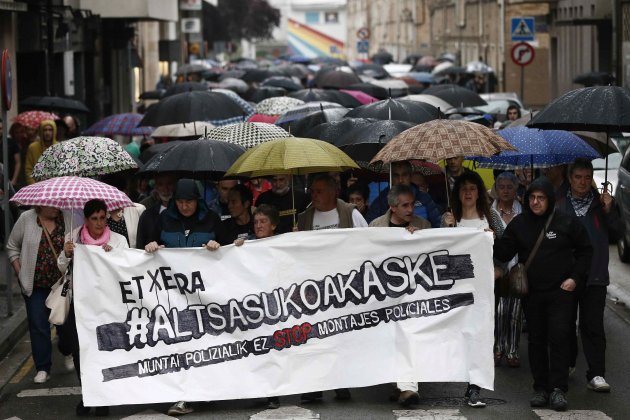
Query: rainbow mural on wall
(309,42)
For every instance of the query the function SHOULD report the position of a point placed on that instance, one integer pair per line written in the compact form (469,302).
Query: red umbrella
(270,119)
(32,119)
(362,97)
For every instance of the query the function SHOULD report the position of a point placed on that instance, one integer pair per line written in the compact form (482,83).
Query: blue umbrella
(538,148)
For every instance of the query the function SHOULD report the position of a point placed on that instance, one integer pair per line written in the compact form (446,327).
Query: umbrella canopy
(71,192)
(321,95)
(270,119)
(427,60)
(156,149)
(375,71)
(478,67)
(259,94)
(193,106)
(363,142)
(362,97)
(598,141)
(199,159)
(382,57)
(119,124)
(184,87)
(441,67)
(291,155)
(441,104)
(455,95)
(422,76)
(277,106)
(247,134)
(295,70)
(538,148)
(55,103)
(396,109)
(302,111)
(192,129)
(302,126)
(442,139)
(282,82)
(231,83)
(594,78)
(598,108)
(258,75)
(84,157)
(333,130)
(237,74)
(32,119)
(152,94)
(335,79)
(370,89)
(191,68)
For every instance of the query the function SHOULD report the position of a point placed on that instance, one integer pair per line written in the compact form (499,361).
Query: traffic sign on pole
(522,29)
(363,46)
(363,33)
(522,54)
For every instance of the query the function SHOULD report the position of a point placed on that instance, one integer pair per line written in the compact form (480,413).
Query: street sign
(363,33)
(522,29)
(363,46)
(522,54)
(6,81)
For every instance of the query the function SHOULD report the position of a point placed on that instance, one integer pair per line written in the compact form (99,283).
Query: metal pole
(523,84)
(7,213)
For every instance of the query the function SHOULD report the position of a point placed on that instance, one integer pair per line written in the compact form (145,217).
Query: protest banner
(300,312)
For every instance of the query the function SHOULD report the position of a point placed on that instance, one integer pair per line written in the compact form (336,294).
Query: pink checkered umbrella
(70,192)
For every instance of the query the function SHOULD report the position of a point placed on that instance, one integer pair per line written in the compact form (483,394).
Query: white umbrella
(431,100)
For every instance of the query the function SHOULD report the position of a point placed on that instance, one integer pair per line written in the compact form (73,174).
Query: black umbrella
(152,94)
(330,61)
(156,149)
(364,142)
(264,92)
(397,109)
(335,79)
(297,70)
(412,58)
(282,82)
(300,127)
(191,68)
(236,74)
(54,103)
(199,159)
(594,78)
(372,90)
(382,57)
(456,95)
(184,87)
(598,108)
(333,130)
(422,68)
(372,70)
(192,106)
(321,95)
(258,75)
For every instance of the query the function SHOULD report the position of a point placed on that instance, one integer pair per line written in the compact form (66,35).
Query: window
(331,17)
(311,17)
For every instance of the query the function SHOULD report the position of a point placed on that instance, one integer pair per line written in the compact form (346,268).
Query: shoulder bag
(519,285)
(60,296)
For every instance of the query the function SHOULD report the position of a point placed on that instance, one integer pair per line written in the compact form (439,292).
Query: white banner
(295,313)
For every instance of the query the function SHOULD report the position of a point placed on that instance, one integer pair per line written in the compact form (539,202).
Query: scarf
(580,205)
(86,239)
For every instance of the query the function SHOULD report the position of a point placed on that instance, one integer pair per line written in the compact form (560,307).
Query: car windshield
(614,160)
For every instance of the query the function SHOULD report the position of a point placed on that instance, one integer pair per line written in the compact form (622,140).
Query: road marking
(13,418)
(572,415)
(50,392)
(20,374)
(431,414)
(289,412)
(149,415)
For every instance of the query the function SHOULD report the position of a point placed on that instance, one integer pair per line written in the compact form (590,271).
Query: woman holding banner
(471,208)
(93,232)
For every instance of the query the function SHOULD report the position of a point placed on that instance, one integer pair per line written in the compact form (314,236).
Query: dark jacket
(148,227)
(565,251)
(423,207)
(177,231)
(601,227)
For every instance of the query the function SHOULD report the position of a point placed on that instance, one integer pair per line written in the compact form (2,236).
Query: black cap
(186,189)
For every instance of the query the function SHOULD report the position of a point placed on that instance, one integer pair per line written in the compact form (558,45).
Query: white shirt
(474,223)
(330,219)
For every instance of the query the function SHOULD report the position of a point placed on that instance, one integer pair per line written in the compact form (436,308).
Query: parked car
(622,199)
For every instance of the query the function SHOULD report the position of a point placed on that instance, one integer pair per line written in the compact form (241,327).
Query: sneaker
(273,403)
(311,397)
(68,362)
(41,377)
(342,394)
(598,384)
(557,400)
(180,407)
(408,398)
(472,397)
(539,399)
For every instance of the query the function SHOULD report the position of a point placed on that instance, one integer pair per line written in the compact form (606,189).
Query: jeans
(39,328)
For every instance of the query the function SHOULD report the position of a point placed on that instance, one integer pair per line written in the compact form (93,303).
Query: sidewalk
(14,325)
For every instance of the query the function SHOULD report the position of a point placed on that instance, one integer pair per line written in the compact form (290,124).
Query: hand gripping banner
(299,312)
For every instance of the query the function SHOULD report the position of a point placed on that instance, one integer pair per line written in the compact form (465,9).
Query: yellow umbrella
(291,155)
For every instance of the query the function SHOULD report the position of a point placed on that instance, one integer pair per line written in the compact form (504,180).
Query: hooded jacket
(177,231)
(565,251)
(35,150)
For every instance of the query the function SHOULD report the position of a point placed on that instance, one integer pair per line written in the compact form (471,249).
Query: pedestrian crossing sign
(522,29)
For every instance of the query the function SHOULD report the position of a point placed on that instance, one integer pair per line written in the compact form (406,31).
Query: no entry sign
(522,54)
